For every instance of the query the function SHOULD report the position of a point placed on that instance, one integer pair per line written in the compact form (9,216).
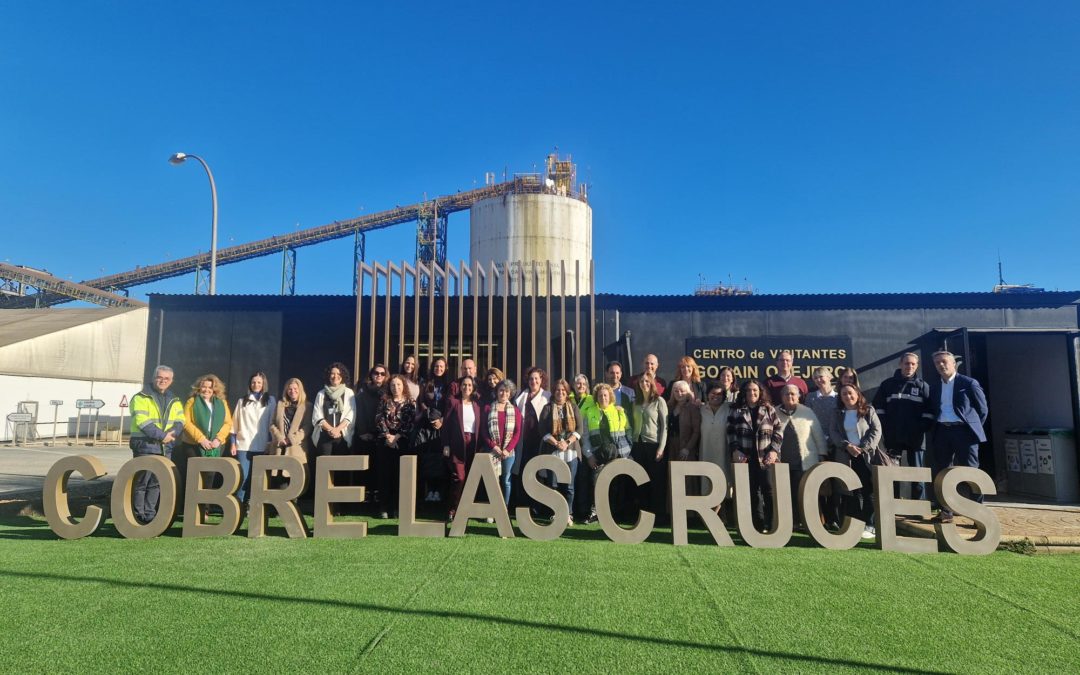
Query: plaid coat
(741,437)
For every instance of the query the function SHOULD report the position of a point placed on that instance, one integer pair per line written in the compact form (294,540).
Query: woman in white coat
(251,428)
(332,416)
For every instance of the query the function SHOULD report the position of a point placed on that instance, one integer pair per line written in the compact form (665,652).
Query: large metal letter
(122,514)
(644,525)
(482,471)
(282,499)
(326,493)
(888,507)
(546,496)
(781,526)
(408,526)
(682,504)
(852,528)
(55,497)
(988,529)
(196,495)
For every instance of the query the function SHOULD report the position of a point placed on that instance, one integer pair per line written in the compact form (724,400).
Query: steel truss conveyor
(275,245)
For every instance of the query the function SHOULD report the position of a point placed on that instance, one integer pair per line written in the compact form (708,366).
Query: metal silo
(547,220)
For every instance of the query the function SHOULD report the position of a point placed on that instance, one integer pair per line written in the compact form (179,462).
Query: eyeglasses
(379,373)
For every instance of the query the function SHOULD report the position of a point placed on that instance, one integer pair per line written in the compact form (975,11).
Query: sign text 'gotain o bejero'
(281,501)
(754,358)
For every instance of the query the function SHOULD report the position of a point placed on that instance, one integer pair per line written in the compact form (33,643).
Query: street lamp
(177,160)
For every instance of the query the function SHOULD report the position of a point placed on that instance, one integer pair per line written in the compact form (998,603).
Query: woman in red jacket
(460,437)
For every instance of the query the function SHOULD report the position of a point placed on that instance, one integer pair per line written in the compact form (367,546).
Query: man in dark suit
(958,406)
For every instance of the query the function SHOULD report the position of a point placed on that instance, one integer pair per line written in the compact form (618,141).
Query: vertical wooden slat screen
(529,283)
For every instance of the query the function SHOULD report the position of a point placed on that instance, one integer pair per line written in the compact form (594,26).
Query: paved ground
(1050,527)
(22,470)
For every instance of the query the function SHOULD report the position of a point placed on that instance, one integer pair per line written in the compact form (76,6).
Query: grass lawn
(482,604)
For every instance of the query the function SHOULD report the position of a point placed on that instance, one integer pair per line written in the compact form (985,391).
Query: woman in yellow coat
(207,424)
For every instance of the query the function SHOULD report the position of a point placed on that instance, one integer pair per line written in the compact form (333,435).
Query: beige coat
(714,446)
(298,440)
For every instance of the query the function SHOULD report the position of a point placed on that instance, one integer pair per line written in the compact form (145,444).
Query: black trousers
(324,448)
(652,495)
(386,472)
(762,491)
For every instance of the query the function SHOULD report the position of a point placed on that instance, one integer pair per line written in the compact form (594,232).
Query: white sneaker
(869,532)
(430,497)
(435,496)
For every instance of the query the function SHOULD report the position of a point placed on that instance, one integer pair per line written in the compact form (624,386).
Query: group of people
(450,422)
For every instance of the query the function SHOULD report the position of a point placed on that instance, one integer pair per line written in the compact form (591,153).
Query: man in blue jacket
(901,404)
(958,405)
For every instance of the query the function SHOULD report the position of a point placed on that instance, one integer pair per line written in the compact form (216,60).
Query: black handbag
(881,458)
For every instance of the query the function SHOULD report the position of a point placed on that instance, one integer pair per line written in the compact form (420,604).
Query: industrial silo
(548,220)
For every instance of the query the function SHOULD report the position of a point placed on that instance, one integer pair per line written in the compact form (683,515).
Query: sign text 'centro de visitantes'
(754,358)
(200,472)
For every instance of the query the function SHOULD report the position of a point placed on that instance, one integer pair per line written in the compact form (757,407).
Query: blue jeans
(507,474)
(567,489)
(245,459)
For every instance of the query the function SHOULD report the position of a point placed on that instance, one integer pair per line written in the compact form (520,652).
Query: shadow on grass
(449,614)
(29,528)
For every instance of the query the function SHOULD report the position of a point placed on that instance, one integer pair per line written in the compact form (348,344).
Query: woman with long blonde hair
(291,427)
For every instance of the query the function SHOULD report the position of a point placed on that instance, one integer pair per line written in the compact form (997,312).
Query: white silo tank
(535,228)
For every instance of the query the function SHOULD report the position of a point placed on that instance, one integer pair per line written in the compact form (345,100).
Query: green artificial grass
(483,604)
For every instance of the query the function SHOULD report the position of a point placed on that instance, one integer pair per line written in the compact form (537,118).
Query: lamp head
(178,158)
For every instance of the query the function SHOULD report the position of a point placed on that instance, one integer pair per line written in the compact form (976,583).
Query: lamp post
(177,160)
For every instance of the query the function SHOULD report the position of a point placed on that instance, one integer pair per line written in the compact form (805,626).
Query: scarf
(337,393)
(209,421)
(562,421)
(337,396)
(493,424)
(287,416)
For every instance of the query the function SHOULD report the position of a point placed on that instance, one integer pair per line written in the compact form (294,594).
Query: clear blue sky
(805,147)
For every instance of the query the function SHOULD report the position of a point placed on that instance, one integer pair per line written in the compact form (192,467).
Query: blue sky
(803,147)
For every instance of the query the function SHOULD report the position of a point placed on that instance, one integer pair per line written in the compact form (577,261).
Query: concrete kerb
(926,530)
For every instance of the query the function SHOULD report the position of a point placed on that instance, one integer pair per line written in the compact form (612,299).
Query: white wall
(534,227)
(15,388)
(112,347)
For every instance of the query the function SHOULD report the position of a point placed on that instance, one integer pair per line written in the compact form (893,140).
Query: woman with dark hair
(291,427)
(847,375)
(251,428)
(436,388)
(411,375)
(394,420)
(460,438)
(333,416)
(854,434)
(686,370)
(531,403)
(500,429)
(561,425)
(755,436)
(725,377)
(485,390)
